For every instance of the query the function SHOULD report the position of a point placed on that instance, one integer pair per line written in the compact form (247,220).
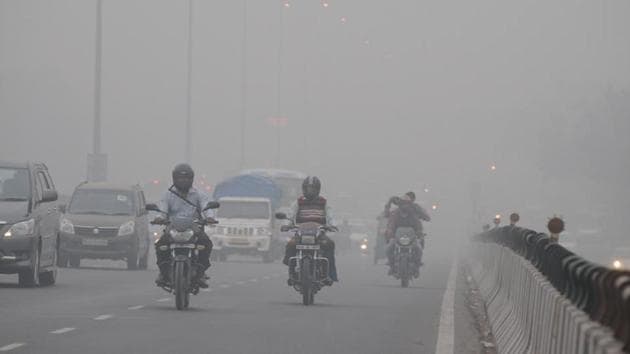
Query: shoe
(162,280)
(290,282)
(202,282)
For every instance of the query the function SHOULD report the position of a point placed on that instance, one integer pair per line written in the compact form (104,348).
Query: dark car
(105,221)
(29,222)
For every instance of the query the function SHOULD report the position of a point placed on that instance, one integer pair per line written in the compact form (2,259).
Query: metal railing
(542,298)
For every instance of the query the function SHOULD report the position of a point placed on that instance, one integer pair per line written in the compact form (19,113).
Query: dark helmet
(183,176)
(411,196)
(514,218)
(311,187)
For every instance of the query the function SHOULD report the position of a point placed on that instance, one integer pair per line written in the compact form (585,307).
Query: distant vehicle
(246,222)
(290,183)
(29,222)
(105,221)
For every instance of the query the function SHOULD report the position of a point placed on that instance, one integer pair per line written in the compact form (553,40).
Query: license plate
(93,242)
(307,247)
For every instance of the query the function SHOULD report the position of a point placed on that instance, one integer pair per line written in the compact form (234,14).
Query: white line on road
(164,299)
(266,277)
(240,282)
(253,280)
(225,286)
(9,347)
(103,317)
(446,331)
(63,330)
(135,307)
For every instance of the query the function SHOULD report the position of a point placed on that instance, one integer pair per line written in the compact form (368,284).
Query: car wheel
(75,261)
(143,263)
(50,277)
(30,277)
(132,260)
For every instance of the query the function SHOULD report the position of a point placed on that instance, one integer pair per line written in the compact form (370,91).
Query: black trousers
(164,257)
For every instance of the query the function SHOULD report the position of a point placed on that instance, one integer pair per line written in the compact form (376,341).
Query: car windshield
(243,210)
(104,202)
(14,184)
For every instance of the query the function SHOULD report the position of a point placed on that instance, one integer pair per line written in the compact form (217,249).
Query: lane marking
(225,286)
(164,299)
(266,277)
(12,346)
(135,307)
(253,280)
(63,330)
(103,317)
(240,282)
(446,331)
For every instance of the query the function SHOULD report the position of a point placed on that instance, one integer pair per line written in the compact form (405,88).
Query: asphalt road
(102,308)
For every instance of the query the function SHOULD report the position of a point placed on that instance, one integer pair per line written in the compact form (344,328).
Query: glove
(211,221)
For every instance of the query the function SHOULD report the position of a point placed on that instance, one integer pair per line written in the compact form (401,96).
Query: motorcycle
(309,270)
(183,233)
(405,260)
(363,246)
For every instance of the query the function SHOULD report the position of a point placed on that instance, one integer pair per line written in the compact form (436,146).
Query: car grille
(102,231)
(240,231)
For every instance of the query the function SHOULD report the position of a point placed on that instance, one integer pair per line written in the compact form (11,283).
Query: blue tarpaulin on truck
(252,186)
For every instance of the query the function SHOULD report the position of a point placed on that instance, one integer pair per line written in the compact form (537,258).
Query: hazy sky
(380,96)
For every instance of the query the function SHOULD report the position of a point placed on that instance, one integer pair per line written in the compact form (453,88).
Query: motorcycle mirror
(281,216)
(152,207)
(212,205)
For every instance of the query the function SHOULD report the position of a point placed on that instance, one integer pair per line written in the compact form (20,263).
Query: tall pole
(189,84)
(96,141)
(244,87)
(279,83)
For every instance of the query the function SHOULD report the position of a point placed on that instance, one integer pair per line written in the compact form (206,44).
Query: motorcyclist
(182,200)
(311,207)
(408,214)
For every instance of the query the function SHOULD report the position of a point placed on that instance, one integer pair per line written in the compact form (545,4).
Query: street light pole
(279,80)
(97,161)
(189,84)
(244,87)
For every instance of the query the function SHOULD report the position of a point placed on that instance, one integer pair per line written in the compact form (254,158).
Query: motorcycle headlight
(364,246)
(127,228)
(21,228)
(66,226)
(617,264)
(405,241)
(181,236)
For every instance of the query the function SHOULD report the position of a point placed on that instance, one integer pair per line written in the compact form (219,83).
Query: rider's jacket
(176,205)
(311,210)
(404,216)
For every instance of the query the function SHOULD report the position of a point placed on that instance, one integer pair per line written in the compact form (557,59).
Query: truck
(246,218)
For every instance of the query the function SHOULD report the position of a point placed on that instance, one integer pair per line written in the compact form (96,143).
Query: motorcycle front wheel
(181,289)
(403,270)
(307,282)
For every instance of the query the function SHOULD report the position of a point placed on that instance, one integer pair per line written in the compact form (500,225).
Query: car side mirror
(49,196)
(212,205)
(281,216)
(62,208)
(152,207)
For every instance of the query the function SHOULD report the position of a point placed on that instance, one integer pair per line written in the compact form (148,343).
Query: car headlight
(21,228)
(263,231)
(181,236)
(127,228)
(66,226)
